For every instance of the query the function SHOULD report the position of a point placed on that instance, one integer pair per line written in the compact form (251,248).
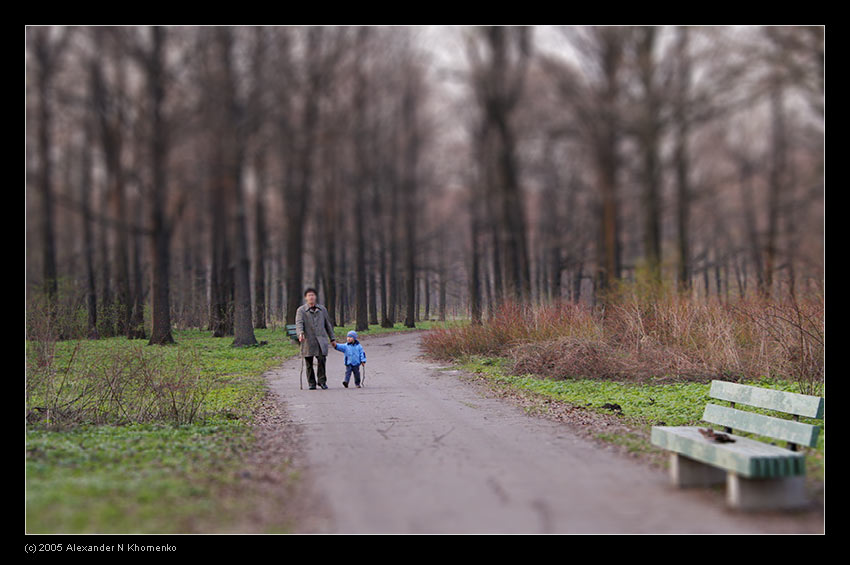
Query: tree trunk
(441,262)
(260,243)
(751,226)
(776,182)
(608,265)
(360,146)
(136,328)
(680,156)
(46,59)
(475,269)
(389,321)
(161,309)
(411,159)
(650,133)
(88,239)
(109,118)
(296,200)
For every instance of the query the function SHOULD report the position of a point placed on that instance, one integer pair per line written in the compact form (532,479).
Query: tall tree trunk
(297,200)
(221,283)
(106,320)
(441,268)
(392,269)
(650,134)
(513,220)
(411,160)
(475,269)
(260,243)
(161,308)
(360,151)
(234,141)
(608,265)
(110,117)
(745,169)
(242,323)
(88,238)
(256,112)
(680,156)
(136,328)
(427,292)
(776,182)
(46,59)
(373,290)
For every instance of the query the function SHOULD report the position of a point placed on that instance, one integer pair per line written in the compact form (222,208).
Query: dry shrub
(512,324)
(129,385)
(58,318)
(567,357)
(786,336)
(660,334)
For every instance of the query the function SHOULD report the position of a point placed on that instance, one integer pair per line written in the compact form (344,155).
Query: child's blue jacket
(354,354)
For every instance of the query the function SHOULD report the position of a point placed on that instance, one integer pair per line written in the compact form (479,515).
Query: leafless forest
(202,177)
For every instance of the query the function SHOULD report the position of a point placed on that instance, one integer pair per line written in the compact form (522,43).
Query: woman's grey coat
(315,324)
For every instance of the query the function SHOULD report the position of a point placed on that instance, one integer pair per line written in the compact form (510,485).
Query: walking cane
(301,375)
(363,380)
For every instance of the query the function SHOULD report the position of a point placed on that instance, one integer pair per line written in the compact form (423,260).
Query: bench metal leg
(686,472)
(786,493)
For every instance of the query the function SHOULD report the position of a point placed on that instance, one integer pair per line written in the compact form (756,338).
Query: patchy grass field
(152,477)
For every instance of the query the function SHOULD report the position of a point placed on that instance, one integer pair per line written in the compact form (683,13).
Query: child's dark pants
(352,369)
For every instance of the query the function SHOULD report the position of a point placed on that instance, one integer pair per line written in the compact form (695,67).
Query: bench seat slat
(776,428)
(769,399)
(746,457)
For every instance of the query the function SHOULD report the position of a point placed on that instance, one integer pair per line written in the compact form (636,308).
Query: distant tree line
(203,176)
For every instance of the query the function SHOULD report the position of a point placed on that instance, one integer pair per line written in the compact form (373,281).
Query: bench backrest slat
(781,401)
(776,428)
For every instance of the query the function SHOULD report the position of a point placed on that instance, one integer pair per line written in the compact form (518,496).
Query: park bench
(290,331)
(758,475)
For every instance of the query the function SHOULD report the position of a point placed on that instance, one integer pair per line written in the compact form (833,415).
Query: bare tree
(498,80)
(361,174)
(47,46)
(153,62)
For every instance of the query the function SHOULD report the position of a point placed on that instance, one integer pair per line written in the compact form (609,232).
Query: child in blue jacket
(354,357)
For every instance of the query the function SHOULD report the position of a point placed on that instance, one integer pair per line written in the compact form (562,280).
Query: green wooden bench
(290,331)
(758,475)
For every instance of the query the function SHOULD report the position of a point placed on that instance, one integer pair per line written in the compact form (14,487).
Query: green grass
(643,404)
(151,478)
(157,478)
(131,479)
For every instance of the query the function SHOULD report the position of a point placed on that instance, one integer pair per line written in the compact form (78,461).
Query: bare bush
(659,335)
(130,385)
(58,318)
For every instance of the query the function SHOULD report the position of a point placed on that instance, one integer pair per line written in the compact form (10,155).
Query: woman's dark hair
(311,289)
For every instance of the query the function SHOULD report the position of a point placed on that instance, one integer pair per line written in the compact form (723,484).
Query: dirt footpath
(418,450)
